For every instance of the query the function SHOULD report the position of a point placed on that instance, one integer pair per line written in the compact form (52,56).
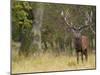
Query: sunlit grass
(48,62)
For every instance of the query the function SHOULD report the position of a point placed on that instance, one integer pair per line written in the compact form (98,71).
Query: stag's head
(76,32)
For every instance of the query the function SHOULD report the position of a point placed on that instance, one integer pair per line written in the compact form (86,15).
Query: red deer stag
(80,41)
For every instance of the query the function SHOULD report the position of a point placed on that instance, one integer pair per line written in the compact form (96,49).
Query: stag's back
(85,42)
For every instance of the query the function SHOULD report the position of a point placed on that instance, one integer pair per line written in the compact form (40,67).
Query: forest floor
(48,62)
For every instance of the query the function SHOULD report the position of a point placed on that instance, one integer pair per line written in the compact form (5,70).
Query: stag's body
(81,46)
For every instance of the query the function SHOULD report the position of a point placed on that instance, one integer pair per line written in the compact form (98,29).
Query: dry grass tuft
(48,62)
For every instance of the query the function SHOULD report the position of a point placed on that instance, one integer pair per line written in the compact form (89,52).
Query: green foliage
(20,18)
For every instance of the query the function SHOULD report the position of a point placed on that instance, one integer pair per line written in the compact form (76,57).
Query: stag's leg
(77,56)
(82,56)
(86,54)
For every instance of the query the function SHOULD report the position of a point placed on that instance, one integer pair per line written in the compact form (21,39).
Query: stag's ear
(83,27)
(80,29)
(73,29)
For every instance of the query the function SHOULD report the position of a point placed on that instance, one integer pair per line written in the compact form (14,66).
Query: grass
(48,62)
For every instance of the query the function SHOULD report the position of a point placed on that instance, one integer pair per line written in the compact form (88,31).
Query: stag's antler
(65,17)
(88,21)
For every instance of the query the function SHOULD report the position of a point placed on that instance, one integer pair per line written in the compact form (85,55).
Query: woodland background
(38,30)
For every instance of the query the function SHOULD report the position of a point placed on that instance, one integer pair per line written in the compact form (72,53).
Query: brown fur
(81,46)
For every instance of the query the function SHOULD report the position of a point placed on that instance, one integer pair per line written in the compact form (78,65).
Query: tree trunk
(37,24)
(31,40)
